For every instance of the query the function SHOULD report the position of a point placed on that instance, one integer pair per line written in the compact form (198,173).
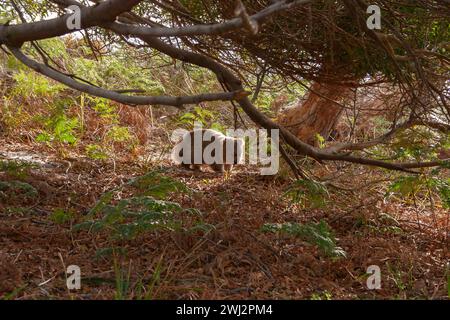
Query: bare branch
(388,136)
(249,23)
(209,29)
(15,35)
(114,95)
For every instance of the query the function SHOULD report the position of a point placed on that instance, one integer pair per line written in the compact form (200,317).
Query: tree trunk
(317,114)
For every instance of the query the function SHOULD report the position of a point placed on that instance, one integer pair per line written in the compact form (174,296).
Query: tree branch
(209,29)
(114,95)
(106,11)
(388,136)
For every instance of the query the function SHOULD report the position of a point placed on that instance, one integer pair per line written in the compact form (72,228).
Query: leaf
(405,186)
(308,192)
(60,216)
(129,217)
(18,188)
(318,234)
(101,203)
(156,185)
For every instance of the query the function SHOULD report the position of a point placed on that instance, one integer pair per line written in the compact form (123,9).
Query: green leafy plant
(96,152)
(128,218)
(405,186)
(61,216)
(133,216)
(218,127)
(308,193)
(384,223)
(14,189)
(197,115)
(318,234)
(61,129)
(104,108)
(119,134)
(16,169)
(443,188)
(410,186)
(29,83)
(157,185)
(322,296)
(320,141)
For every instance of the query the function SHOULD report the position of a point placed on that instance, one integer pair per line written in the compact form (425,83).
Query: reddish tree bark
(318,114)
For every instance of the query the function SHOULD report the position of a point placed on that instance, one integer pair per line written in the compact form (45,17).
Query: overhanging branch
(116,96)
(443,127)
(15,35)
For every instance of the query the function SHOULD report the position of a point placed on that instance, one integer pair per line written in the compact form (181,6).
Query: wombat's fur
(222,165)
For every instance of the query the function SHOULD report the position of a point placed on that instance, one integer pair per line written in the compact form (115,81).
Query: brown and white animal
(213,149)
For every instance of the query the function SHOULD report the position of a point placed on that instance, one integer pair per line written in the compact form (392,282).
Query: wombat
(213,148)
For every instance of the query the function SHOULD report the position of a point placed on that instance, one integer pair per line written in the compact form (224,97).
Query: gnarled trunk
(318,114)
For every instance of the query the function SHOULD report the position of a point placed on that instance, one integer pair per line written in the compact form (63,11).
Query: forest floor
(233,260)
